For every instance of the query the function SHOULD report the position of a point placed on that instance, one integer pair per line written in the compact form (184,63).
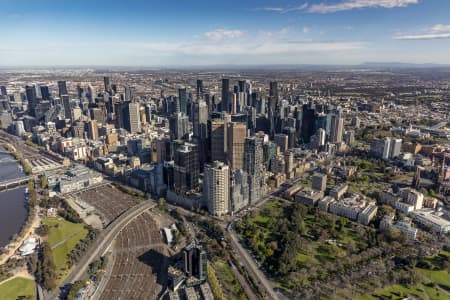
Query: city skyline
(199,33)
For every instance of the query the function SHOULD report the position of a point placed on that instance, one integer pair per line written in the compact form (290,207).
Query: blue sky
(148,33)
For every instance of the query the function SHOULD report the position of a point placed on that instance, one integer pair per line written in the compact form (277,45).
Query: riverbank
(31,221)
(18,156)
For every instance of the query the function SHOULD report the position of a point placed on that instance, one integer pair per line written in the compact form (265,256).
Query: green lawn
(396,291)
(62,230)
(16,287)
(439,277)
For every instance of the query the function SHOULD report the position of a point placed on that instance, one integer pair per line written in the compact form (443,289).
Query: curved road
(104,240)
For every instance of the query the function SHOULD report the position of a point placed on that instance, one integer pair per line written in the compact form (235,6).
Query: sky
(228,32)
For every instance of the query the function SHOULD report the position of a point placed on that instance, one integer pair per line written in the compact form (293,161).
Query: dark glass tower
(62,87)
(225,104)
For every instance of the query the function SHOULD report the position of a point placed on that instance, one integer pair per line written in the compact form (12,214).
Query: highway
(103,242)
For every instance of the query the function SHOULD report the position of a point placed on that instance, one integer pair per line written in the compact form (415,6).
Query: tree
(44,182)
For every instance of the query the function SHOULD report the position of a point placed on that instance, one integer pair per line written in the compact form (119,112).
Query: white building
(28,246)
(348,207)
(216,188)
(433,219)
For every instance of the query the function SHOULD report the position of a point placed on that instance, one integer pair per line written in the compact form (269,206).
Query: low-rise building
(404,225)
(367,214)
(348,207)
(324,204)
(431,218)
(308,196)
(338,191)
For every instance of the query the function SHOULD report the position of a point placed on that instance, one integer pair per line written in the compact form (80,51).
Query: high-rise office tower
(308,123)
(134,120)
(239,190)
(199,90)
(236,133)
(273,95)
(290,132)
(254,167)
(186,169)
(128,116)
(3,91)
(289,163)
(129,94)
(323,121)
(65,99)
(182,99)
(62,88)
(45,92)
(241,84)
(282,141)
(336,128)
(218,139)
(30,92)
(225,104)
(106,83)
(216,188)
(200,119)
(93,130)
(195,261)
(179,126)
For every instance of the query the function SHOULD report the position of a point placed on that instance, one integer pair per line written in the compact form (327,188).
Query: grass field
(17,287)
(424,290)
(63,236)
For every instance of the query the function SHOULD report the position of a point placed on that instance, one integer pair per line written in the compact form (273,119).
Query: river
(13,205)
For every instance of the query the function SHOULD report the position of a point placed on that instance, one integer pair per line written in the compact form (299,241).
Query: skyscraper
(308,123)
(254,166)
(45,92)
(106,82)
(134,121)
(186,169)
(67,106)
(30,92)
(218,139)
(273,95)
(225,104)
(93,130)
(199,90)
(179,126)
(216,188)
(236,133)
(195,261)
(3,90)
(182,98)
(200,119)
(62,88)
(336,128)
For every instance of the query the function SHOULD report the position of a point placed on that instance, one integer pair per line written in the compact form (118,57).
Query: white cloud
(263,46)
(305,29)
(326,7)
(438,31)
(285,9)
(358,4)
(440,27)
(427,36)
(221,34)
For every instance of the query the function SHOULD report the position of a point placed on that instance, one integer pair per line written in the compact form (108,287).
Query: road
(250,264)
(103,242)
